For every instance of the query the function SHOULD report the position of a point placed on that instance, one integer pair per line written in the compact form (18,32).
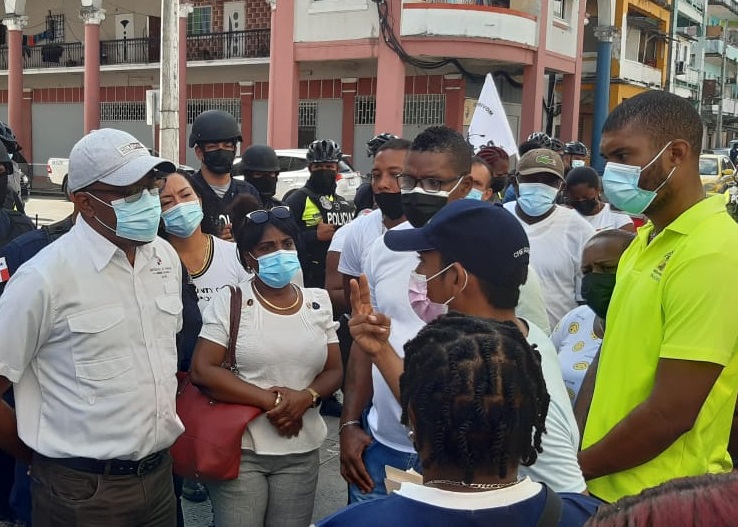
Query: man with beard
(214,137)
(318,210)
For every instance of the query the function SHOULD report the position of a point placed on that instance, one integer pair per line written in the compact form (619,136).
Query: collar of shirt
(691,218)
(100,248)
(524,490)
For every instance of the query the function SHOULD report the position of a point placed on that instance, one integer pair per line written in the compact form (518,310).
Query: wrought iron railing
(252,43)
(129,51)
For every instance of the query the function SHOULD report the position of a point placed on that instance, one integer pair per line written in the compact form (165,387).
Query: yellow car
(716,171)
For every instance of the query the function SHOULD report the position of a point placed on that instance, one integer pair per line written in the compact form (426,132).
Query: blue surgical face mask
(137,219)
(277,269)
(182,219)
(620,183)
(476,194)
(536,199)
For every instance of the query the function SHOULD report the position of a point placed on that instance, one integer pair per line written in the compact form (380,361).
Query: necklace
(206,260)
(476,486)
(275,307)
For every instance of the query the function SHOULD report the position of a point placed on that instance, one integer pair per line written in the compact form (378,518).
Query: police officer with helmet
(13,223)
(260,166)
(318,210)
(215,135)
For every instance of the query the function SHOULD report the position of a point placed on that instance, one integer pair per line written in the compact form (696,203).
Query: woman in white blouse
(288,359)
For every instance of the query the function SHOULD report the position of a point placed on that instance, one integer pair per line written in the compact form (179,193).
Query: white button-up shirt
(89,342)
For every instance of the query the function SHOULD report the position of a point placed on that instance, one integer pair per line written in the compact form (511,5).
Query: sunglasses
(281,212)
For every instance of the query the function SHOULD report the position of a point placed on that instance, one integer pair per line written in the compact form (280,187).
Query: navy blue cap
(486,239)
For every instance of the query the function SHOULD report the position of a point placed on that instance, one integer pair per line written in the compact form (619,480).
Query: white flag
(489,123)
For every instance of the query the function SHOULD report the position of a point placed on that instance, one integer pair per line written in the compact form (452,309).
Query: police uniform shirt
(89,342)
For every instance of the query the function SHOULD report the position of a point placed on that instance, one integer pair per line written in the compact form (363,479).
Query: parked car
(294,173)
(716,171)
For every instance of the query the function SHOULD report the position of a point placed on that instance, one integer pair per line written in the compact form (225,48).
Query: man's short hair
(442,139)
(663,115)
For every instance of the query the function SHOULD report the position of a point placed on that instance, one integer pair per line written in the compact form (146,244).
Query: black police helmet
(376,142)
(214,126)
(7,137)
(576,148)
(259,158)
(323,151)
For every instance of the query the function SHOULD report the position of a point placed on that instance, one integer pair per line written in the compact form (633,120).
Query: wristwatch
(317,399)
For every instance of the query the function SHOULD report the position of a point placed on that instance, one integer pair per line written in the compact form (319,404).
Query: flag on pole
(489,123)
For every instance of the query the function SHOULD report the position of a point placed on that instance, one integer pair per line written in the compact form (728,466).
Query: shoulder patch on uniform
(4,271)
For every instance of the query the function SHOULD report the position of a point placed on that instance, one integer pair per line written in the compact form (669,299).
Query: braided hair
(492,154)
(477,394)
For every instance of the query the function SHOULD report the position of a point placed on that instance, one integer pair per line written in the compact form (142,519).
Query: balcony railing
(252,43)
(490,3)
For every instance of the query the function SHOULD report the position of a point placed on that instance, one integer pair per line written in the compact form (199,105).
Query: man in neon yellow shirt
(666,386)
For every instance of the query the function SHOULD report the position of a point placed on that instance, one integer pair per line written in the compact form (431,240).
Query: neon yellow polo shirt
(675,298)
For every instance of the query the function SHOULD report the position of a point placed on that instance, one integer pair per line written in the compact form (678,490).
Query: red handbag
(210,446)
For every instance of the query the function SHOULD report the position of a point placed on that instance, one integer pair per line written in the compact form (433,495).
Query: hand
(293,406)
(226,232)
(370,330)
(325,231)
(353,441)
(291,429)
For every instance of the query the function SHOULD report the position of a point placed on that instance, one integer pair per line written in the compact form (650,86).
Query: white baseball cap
(113,157)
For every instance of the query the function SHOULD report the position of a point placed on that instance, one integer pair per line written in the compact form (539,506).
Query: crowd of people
(501,326)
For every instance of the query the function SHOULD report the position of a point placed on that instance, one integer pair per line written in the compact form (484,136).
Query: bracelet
(348,423)
(278,399)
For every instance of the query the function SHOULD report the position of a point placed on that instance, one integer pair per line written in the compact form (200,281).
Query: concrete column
(605,36)
(572,88)
(348,95)
(531,118)
(15,25)
(390,81)
(92,17)
(184,10)
(25,137)
(455,89)
(247,113)
(284,77)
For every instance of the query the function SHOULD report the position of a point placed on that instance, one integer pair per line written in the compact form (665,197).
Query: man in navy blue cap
(473,259)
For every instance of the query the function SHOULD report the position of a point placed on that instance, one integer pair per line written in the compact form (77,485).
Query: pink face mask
(426,309)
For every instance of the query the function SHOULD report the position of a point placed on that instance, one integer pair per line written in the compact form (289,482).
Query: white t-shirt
(557,465)
(277,350)
(364,230)
(555,253)
(608,219)
(223,269)
(339,238)
(577,344)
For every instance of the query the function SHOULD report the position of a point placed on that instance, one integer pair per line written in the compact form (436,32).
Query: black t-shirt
(215,208)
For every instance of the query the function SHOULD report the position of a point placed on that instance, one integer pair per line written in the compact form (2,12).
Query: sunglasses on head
(281,212)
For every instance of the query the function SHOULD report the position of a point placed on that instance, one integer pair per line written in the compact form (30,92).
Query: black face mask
(390,203)
(498,184)
(597,291)
(219,161)
(266,185)
(323,181)
(585,207)
(419,207)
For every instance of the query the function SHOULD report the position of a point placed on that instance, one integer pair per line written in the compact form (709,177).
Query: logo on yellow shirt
(659,270)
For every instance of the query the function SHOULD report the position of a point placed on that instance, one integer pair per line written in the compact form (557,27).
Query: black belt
(112,467)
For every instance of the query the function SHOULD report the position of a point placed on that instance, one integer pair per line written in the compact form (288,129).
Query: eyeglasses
(130,194)
(430,185)
(281,212)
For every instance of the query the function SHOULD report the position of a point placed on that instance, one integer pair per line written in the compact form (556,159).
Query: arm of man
(679,391)
(9,440)
(584,397)
(334,284)
(296,203)
(692,357)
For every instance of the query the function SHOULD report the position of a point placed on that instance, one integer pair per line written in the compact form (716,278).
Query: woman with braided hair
(475,402)
(490,167)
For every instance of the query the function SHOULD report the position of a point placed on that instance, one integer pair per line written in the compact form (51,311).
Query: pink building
(290,70)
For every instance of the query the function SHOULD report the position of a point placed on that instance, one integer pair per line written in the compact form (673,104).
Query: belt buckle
(148,464)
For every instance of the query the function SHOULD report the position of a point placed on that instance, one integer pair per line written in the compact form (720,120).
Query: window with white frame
(200,21)
(559,9)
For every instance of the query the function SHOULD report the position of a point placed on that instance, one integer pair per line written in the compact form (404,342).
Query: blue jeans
(376,456)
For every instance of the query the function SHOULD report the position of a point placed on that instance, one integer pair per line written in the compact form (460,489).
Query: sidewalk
(329,497)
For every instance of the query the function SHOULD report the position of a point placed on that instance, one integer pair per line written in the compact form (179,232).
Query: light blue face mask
(620,183)
(476,194)
(277,269)
(536,199)
(182,219)
(137,218)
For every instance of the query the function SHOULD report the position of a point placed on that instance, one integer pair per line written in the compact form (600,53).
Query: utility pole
(169,81)
(719,125)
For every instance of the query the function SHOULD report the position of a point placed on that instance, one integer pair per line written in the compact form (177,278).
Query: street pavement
(331,493)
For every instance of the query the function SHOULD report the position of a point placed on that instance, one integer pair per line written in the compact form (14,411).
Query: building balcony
(723,9)
(692,9)
(688,76)
(639,73)
(488,19)
(232,45)
(730,107)
(714,51)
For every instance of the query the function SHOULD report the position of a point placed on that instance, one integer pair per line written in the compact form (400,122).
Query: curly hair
(476,393)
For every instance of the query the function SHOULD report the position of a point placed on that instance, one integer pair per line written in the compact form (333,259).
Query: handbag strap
(236,302)
(552,509)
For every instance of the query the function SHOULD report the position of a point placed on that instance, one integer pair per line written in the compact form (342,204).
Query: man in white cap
(90,348)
